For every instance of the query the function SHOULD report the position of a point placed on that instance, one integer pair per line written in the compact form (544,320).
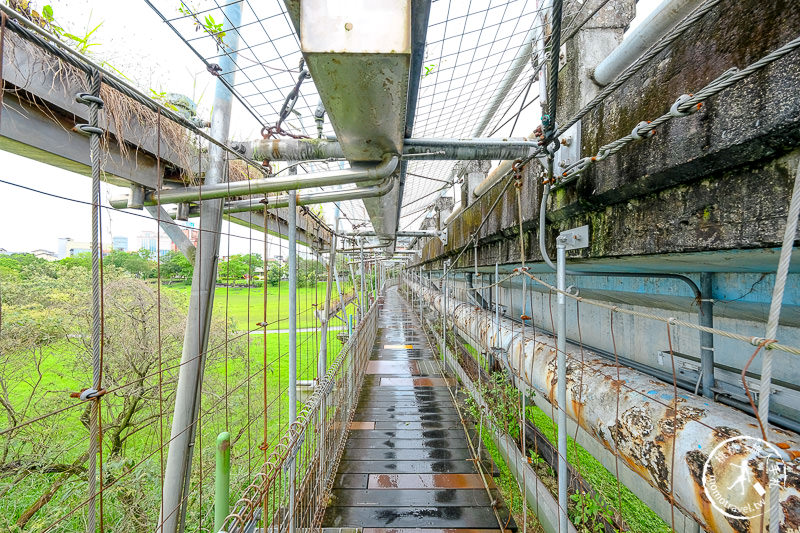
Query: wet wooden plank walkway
(406,463)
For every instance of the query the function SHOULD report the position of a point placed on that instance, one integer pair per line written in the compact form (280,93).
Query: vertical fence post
(497,295)
(706,338)
(177,473)
(222,480)
(421,312)
(363,284)
(322,363)
(292,222)
(561,386)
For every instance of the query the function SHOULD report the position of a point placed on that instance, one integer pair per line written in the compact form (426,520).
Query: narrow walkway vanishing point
(407,462)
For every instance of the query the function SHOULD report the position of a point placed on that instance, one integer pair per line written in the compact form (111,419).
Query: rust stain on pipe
(652,423)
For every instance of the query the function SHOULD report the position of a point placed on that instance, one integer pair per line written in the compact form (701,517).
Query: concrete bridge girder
(38,120)
(715,180)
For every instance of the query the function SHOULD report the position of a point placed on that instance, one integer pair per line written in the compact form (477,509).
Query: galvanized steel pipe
(178,468)
(561,381)
(323,197)
(369,175)
(470,149)
(646,428)
(292,252)
(432,149)
(652,28)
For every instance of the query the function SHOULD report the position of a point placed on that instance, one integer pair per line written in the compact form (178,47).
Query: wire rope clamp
(88,394)
(86,129)
(638,136)
(89,99)
(517,167)
(675,111)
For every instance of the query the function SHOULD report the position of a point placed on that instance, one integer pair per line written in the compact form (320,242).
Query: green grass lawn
(244,306)
(242,370)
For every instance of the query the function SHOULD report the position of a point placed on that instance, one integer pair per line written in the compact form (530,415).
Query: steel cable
(670,320)
(685,105)
(790,232)
(96,336)
(637,65)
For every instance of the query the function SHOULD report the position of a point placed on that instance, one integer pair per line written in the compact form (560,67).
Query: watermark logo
(739,473)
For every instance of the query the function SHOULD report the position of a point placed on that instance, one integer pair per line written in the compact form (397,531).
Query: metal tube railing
(296,460)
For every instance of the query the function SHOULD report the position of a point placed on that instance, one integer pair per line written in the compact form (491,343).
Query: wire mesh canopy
(469,51)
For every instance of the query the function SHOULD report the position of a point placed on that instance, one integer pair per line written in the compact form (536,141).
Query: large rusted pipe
(635,417)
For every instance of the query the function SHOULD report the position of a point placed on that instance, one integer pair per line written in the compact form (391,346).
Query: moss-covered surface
(634,512)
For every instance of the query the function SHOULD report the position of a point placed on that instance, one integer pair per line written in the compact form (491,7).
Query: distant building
(120,243)
(148,240)
(68,247)
(45,254)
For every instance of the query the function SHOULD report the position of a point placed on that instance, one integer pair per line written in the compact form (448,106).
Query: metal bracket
(576,238)
(570,151)
(443,236)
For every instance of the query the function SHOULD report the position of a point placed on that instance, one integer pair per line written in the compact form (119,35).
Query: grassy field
(244,306)
(242,373)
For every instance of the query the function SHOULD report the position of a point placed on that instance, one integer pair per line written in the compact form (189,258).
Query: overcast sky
(135,41)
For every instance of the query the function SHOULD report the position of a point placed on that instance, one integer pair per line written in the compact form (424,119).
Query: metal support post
(706,338)
(222,480)
(173,231)
(322,361)
(421,312)
(363,290)
(355,290)
(339,292)
(375,267)
(497,295)
(292,222)
(201,301)
(561,390)
(444,314)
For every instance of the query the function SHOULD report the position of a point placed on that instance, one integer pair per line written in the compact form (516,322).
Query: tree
(254,262)
(46,353)
(79,260)
(276,272)
(233,269)
(135,263)
(174,264)
(47,323)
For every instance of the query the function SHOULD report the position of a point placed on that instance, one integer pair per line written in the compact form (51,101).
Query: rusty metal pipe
(650,423)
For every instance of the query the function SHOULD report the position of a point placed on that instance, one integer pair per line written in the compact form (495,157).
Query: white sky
(135,41)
